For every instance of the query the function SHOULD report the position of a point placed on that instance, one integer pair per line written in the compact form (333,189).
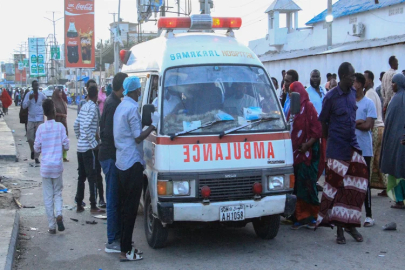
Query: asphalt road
(81,246)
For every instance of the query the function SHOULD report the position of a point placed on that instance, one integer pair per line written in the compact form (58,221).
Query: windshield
(233,95)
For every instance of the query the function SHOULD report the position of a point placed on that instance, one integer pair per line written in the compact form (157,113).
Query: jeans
(113,210)
(99,177)
(87,169)
(367,201)
(130,190)
(52,192)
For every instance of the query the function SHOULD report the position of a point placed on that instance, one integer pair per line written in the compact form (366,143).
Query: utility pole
(207,8)
(54,40)
(178,8)
(116,44)
(101,59)
(329,24)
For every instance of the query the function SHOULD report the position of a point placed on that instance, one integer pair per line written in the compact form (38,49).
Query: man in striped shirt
(51,140)
(85,127)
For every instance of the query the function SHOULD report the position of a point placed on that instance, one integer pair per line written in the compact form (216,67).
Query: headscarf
(101,99)
(109,89)
(305,125)
(60,106)
(6,99)
(392,152)
(131,84)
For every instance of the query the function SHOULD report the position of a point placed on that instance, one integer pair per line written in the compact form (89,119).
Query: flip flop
(138,251)
(131,256)
(398,206)
(355,234)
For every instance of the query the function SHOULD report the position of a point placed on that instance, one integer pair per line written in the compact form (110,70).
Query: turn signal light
(292,180)
(162,187)
(226,23)
(124,56)
(205,191)
(257,188)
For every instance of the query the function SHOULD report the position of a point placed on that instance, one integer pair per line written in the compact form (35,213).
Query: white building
(130,32)
(365,34)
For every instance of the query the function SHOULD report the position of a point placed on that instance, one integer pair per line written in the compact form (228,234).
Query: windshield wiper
(253,122)
(208,124)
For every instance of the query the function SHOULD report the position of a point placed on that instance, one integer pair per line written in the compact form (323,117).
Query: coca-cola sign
(79,33)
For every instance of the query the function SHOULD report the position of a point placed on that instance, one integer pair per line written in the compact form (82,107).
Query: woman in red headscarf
(6,100)
(306,131)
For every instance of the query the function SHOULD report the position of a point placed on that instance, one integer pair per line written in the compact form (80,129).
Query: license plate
(232,213)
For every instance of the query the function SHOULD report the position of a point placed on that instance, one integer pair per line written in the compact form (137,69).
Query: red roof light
(171,23)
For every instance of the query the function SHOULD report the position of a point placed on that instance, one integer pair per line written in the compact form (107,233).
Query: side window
(143,80)
(153,91)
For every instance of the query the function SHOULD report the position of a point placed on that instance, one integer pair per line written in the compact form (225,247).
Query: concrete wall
(378,23)
(374,59)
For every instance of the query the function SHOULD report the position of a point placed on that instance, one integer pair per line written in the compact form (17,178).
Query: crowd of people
(114,148)
(353,133)
(346,130)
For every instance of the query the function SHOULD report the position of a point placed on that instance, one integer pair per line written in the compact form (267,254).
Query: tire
(156,234)
(267,227)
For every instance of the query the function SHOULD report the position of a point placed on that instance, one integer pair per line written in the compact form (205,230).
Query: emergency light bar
(200,22)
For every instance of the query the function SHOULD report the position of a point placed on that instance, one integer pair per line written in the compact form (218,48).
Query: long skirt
(378,180)
(306,176)
(344,192)
(396,189)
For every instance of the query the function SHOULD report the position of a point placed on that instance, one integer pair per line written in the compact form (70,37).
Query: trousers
(52,192)
(87,170)
(130,190)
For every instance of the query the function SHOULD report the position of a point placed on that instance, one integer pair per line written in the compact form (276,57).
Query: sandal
(131,256)
(138,251)
(297,225)
(355,234)
(52,231)
(398,206)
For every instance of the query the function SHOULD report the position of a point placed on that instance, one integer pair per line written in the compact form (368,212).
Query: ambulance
(222,151)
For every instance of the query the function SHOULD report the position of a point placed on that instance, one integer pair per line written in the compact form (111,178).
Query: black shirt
(107,147)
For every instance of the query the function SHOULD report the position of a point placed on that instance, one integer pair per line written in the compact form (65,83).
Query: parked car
(49,90)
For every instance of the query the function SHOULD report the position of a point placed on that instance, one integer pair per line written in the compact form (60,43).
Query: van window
(153,91)
(194,96)
(143,80)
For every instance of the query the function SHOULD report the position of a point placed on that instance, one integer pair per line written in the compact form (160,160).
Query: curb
(13,242)
(6,131)
(73,107)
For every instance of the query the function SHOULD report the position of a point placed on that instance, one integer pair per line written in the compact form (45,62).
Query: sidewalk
(8,149)
(9,227)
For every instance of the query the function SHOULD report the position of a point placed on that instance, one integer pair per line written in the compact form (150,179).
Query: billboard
(18,58)
(37,53)
(79,34)
(20,75)
(9,69)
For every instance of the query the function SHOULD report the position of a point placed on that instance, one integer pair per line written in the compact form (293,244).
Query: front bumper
(269,205)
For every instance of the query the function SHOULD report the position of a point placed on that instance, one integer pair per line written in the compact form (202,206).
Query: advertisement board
(79,34)
(20,76)
(9,69)
(18,58)
(37,55)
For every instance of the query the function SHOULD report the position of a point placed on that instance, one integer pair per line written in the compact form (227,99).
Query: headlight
(181,188)
(275,182)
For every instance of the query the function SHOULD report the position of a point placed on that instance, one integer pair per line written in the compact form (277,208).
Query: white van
(222,151)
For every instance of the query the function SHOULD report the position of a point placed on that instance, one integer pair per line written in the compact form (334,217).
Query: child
(51,140)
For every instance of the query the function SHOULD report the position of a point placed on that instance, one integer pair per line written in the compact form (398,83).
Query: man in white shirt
(128,139)
(33,101)
(240,100)
(377,179)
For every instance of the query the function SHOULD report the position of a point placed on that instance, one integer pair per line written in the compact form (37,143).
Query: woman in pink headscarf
(101,99)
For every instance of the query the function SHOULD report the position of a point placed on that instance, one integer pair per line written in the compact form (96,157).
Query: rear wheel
(267,227)
(156,234)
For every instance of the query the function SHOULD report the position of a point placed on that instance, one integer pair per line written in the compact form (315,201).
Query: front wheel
(156,234)
(267,227)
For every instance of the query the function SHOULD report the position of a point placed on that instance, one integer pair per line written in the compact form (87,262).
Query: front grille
(229,189)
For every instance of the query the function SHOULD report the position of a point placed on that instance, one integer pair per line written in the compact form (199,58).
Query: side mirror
(295,103)
(146,114)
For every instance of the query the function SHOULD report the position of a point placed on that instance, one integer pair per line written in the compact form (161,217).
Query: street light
(329,18)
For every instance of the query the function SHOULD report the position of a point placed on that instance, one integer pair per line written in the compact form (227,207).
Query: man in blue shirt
(290,77)
(346,177)
(316,92)
(128,139)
